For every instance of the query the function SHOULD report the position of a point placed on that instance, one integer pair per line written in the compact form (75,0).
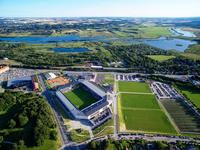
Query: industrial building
(96,113)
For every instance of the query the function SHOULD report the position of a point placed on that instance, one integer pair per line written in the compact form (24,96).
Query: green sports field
(80,98)
(147,120)
(141,111)
(139,101)
(140,87)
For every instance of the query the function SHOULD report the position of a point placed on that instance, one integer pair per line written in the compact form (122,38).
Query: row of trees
(137,145)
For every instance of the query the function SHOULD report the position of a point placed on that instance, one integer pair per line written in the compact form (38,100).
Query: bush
(12,123)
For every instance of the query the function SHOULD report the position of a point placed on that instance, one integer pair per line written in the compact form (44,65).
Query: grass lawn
(105,129)
(140,87)
(80,98)
(79,136)
(161,58)
(48,145)
(147,120)
(191,94)
(139,101)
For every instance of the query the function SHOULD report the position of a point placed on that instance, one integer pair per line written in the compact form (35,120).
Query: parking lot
(125,77)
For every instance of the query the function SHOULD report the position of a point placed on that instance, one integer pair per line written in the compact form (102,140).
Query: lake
(180,32)
(70,50)
(163,43)
(51,39)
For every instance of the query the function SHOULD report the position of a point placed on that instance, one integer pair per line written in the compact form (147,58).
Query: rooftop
(94,88)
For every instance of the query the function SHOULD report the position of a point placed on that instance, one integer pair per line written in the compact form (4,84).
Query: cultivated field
(80,98)
(184,118)
(139,87)
(141,111)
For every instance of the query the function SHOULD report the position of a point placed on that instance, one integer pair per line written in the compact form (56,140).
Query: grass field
(191,56)
(153,32)
(141,112)
(147,120)
(48,145)
(140,87)
(139,101)
(80,98)
(160,58)
(192,95)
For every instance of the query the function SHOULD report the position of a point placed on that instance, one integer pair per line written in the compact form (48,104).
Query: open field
(141,112)
(160,58)
(182,116)
(191,56)
(153,32)
(191,94)
(80,98)
(140,87)
(147,120)
(194,49)
(138,101)
(48,145)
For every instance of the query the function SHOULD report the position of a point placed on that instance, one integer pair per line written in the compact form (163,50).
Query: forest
(23,116)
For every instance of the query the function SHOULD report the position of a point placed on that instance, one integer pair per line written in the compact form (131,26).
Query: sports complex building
(94,105)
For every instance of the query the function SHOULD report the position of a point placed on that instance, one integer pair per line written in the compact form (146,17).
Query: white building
(50,76)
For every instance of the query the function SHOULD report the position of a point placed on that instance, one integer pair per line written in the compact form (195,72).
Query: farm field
(80,98)
(141,111)
(191,56)
(153,32)
(182,116)
(161,58)
(139,87)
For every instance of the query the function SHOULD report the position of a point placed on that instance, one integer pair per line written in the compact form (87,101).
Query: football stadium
(86,100)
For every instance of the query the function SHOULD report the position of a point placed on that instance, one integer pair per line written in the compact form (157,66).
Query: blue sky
(99,8)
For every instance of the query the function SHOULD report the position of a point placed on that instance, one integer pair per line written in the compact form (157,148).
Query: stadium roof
(94,88)
(16,81)
(95,107)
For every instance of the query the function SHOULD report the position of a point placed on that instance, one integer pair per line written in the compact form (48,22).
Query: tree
(1,139)
(12,123)
(22,120)
(53,135)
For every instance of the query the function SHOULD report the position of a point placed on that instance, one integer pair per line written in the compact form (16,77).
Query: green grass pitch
(80,98)
(147,120)
(140,87)
(139,101)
